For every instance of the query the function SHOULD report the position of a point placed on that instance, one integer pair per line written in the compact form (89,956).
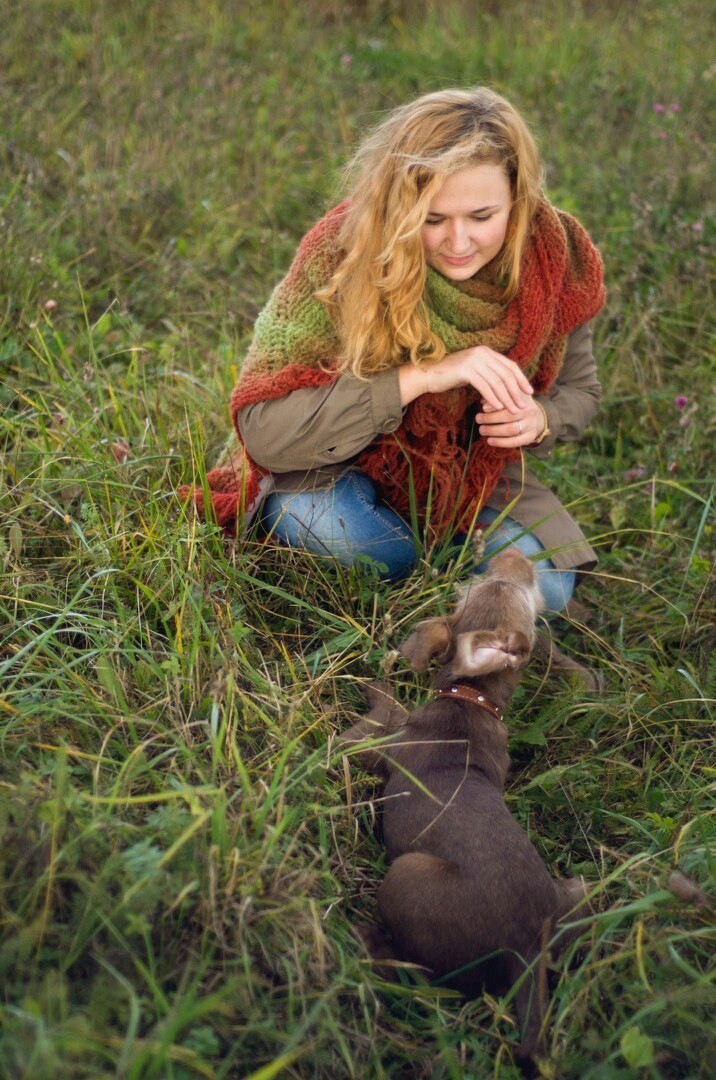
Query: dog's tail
(532,996)
(532,999)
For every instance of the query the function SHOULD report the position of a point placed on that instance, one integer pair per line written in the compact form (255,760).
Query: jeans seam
(397,535)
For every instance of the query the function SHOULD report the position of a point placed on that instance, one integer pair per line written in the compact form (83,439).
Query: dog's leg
(423,901)
(571,897)
(384,708)
(531,1002)
(547,649)
(386,716)
(579,612)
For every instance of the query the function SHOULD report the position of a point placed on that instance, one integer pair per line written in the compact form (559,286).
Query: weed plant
(184,849)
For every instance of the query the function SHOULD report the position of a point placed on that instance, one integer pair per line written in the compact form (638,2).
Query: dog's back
(466,894)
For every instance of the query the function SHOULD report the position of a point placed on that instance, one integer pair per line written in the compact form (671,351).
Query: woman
(432,328)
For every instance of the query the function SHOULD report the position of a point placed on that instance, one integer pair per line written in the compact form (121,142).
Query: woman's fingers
(513,433)
(506,429)
(499,381)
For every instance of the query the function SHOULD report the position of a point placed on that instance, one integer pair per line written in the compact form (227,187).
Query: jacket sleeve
(324,425)
(574,397)
(327,425)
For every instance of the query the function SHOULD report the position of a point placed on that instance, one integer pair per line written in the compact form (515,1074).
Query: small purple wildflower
(649,488)
(675,107)
(657,107)
(681,401)
(698,226)
(661,135)
(634,474)
(346,59)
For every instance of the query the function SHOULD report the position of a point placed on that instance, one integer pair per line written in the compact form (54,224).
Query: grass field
(183,852)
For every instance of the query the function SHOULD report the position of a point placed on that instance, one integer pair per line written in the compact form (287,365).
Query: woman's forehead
(473,188)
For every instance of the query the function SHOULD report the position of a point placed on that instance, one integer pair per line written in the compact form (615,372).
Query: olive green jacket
(309,437)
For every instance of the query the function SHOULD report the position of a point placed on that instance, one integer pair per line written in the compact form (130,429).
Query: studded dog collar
(462,692)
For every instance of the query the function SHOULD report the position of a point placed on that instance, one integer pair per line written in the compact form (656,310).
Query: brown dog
(466,895)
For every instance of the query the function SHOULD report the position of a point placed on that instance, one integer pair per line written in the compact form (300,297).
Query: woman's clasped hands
(509,416)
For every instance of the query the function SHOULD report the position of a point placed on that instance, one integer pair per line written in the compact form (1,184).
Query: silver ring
(519,427)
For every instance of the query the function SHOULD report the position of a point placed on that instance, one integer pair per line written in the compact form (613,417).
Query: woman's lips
(462,260)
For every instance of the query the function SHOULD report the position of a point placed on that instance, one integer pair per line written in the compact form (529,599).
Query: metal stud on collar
(454,690)
(472,696)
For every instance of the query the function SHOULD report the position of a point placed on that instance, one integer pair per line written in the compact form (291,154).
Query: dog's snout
(513,564)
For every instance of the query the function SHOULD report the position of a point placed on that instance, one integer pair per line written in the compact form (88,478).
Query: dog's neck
(487,736)
(498,687)
(463,691)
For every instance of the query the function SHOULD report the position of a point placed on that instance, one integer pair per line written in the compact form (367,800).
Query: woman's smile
(459,260)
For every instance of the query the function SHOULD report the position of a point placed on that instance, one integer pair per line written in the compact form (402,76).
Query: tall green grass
(184,849)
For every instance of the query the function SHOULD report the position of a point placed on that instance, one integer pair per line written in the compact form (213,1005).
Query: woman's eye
(473,217)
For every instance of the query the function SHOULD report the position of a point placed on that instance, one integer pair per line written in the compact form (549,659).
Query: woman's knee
(343,521)
(506,534)
(555,585)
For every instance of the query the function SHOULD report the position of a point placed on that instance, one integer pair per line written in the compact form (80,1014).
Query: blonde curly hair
(375,297)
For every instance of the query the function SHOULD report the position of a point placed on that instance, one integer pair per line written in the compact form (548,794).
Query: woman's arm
(326,425)
(499,381)
(323,425)
(318,426)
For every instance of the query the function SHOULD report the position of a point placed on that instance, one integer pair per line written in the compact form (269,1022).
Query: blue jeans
(347,523)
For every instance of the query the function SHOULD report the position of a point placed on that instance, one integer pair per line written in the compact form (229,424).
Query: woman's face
(467,221)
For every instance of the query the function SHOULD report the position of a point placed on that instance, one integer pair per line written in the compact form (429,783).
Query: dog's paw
(586,678)
(382,955)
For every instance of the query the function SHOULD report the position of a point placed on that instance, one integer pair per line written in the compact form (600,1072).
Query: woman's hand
(503,428)
(499,381)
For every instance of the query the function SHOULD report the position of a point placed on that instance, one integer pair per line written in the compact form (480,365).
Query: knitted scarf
(434,458)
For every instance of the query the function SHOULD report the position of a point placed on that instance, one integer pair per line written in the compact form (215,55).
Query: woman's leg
(556,585)
(344,522)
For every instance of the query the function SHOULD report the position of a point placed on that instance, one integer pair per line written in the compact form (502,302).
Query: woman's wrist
(544,430)
(412,382)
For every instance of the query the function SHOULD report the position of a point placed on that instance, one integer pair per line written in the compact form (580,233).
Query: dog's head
(492,627)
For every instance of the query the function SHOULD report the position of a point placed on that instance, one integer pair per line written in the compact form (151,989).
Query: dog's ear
(430,638)
(483,651)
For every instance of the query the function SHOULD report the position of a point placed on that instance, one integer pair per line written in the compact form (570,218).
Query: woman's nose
(458,238)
